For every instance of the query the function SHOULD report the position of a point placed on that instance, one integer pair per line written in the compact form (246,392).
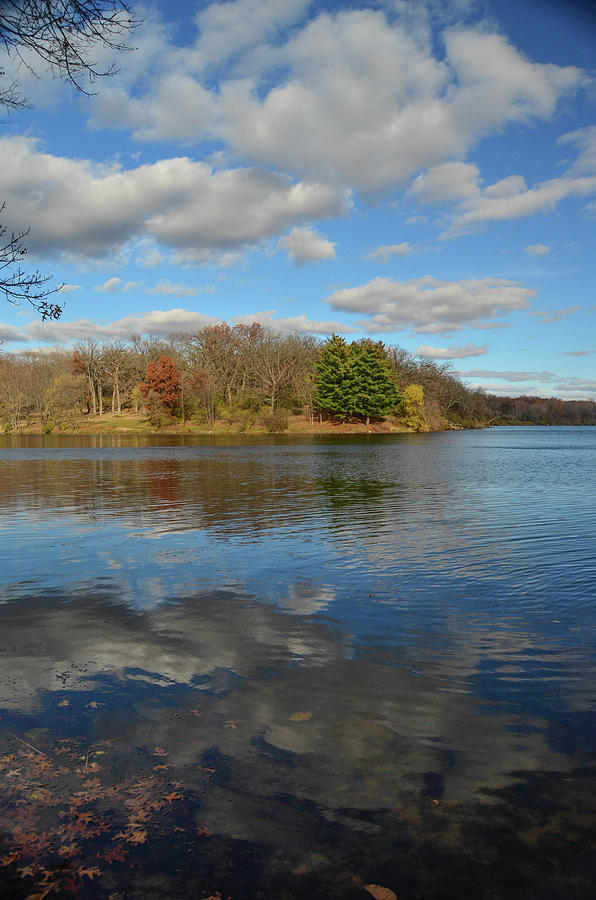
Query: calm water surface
(293,667)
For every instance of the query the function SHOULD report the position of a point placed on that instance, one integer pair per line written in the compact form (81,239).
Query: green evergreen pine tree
(355,380)
(372,390)
(332,377)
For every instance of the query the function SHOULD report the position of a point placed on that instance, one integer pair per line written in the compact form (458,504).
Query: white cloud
(452,352)
(10,333)
(358,95)
(168,289)
(149,258)
(498,84)
(429,305)
(554,315)
(306,245)
(384,252)
(510,197)
(204,257)
(518,201)
(161,323)
(294,323)
(158,322)
(584,139)
(582,388)
(91,210)
(537,249)
(69,288)
(546,384)
(446,183)
(110,286)
(459,183)
(231,31)
(512,376)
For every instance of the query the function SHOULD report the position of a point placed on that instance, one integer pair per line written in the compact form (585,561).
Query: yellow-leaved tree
(414,414)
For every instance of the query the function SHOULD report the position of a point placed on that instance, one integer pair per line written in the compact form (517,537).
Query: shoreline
(136,424)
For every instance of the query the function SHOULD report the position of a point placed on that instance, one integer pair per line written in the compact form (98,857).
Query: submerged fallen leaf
(41,894)
(173,796)
(300,716)
(92,872)
(117,854)
(137,837)
(159,751)
(26,872)
(64,703)
(132,835)
(379,892)
(9,858)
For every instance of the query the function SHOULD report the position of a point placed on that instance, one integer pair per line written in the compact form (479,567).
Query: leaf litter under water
(65,820)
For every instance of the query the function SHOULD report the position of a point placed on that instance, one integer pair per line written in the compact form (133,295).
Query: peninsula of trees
(248,377)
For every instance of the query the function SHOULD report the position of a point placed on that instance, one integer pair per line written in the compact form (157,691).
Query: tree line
(539,411)
(250,375)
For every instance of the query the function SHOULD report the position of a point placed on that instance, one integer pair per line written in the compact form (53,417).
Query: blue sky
(424,173)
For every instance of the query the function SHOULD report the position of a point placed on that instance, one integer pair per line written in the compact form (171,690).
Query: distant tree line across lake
(249,376)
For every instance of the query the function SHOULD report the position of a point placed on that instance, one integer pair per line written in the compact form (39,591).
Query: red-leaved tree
(162,383)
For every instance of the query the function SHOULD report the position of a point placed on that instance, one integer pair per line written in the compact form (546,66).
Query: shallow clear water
(295,667)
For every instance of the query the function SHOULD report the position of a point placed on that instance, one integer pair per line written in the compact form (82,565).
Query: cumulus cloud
(364,96)
(158,322)
(537,249)
(584,141)
(161,323)
(10,333)
(452,352)
(150,258)
(384,252)
(168,289)
(91,210)
(446,183)
(110,286)
(476,205)
(512,199)
(69,288)
(294,323)
(429,305)
(306,245)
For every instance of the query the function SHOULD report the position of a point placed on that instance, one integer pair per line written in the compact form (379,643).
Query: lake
(294,667)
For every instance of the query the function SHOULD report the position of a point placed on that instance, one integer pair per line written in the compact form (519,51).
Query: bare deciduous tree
(60,34)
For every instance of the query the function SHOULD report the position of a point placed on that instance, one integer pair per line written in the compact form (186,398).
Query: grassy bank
(131,423)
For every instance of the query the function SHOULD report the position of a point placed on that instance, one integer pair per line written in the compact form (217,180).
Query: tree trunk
(92,391)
